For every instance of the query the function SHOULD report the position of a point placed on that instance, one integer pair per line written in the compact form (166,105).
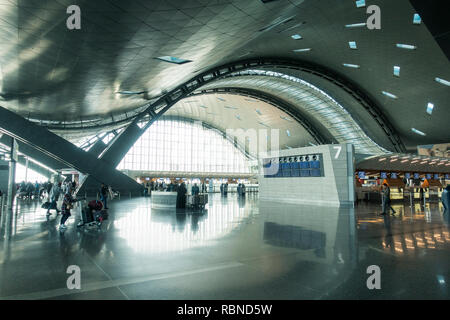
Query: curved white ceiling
(231,111)
(309,100)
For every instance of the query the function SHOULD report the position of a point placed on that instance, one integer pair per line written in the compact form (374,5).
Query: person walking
(104,195)
(53,197)
(386,195)
(66,207)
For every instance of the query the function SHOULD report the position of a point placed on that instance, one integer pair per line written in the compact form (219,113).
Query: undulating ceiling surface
(108,69)
(227,112)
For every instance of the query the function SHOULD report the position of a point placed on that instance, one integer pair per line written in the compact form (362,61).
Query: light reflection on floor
(157,230)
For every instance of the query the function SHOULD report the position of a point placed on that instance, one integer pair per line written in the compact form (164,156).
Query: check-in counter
(161,199)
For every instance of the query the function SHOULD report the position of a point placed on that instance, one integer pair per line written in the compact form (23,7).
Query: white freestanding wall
(334,188)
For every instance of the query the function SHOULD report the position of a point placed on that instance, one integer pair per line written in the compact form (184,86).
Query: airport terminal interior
(226,149)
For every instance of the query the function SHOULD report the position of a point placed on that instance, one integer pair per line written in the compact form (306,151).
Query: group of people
(67,190)
(386,199)
(171,187)
(29,190)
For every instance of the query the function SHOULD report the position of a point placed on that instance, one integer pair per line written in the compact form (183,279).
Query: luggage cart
(198,201)
(91,217)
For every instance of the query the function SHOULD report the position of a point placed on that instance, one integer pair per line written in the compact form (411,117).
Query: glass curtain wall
(182,146)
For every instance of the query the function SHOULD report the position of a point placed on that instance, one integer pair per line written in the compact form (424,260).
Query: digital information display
(416,176)
(309,165)
(383,175)
(361,174)
(407,175)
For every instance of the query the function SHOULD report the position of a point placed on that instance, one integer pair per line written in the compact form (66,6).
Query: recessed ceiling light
(406,46)
(296,37)
(349,65)
(258,112)
(352,45)
(430,108)
(418,132)
(173,59)
(397,71)
(302,50)
(221,99)
(417,19)
(285,118)
(355,25)
(204,107)
(360,3)
(238,117)
(230,107)
(263,124)
(442,81)
(288,133)
(390,95)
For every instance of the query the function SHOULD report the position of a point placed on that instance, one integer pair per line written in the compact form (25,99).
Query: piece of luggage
(86,215)
(46,205)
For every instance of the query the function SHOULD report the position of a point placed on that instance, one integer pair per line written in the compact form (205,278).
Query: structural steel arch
(154,110)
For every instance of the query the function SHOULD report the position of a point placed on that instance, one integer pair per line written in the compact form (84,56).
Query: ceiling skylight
(131,92)
(263,124)
(397,71)
(296,37)
(286,118)
(349,65)
(417,19)
(302,50)
(418,132)
(173,59)
(442,81)
(406,46)
(352,45)
(360,3)
(390,95)
(355,25)
(430,108)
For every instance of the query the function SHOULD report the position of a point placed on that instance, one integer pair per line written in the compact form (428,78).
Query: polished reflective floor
(234,249)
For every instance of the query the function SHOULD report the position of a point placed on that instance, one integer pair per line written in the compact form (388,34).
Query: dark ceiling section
(433,15)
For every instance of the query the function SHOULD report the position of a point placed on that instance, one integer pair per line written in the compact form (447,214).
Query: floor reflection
(242,248)
(151,230)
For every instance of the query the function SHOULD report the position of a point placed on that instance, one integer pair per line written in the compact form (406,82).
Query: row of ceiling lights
(396,71)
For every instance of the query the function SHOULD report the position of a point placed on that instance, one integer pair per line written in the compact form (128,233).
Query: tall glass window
(175,145)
